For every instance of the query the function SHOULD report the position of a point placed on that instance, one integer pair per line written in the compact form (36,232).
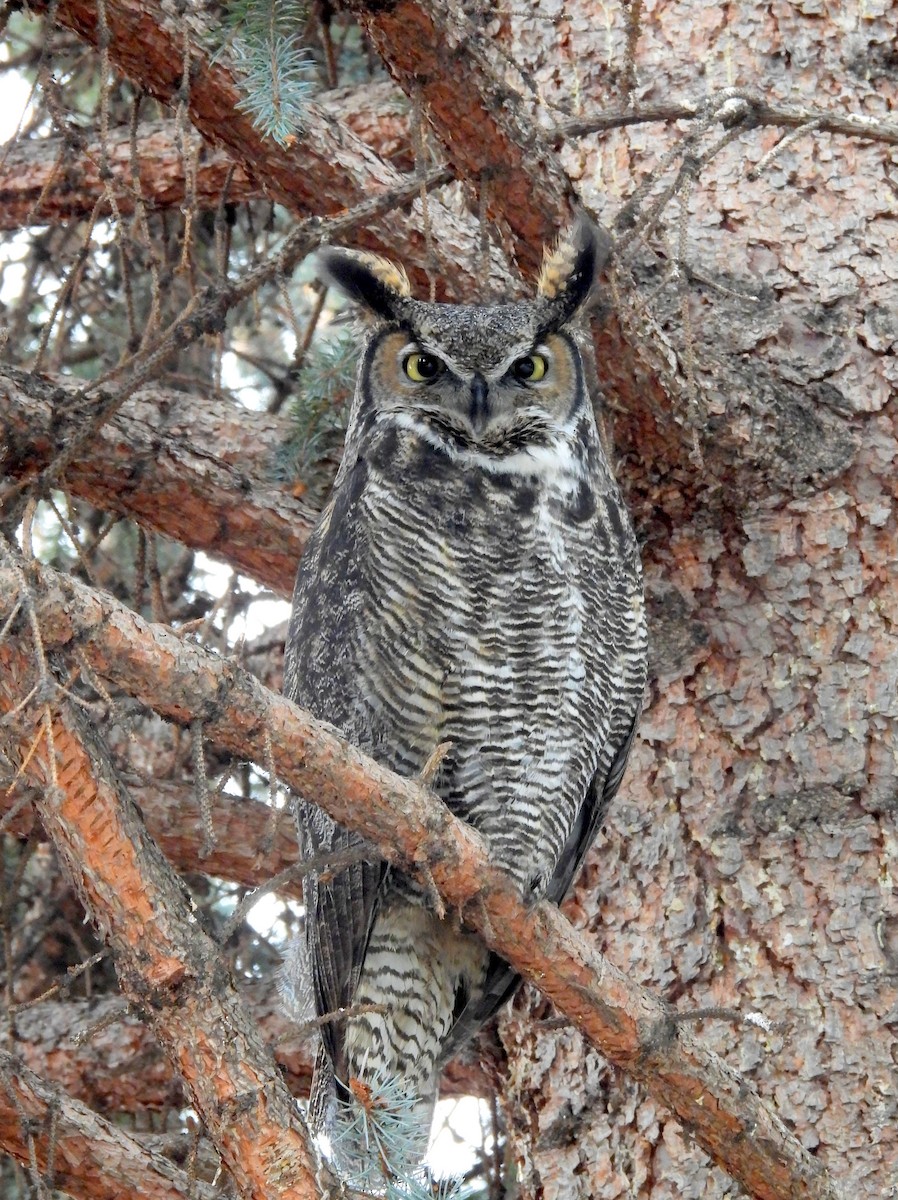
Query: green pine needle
(381,1144)
(320,408)
(278,73)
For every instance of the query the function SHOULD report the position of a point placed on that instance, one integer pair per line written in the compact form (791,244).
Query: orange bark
(168,968)
(208,489)
(82,1153)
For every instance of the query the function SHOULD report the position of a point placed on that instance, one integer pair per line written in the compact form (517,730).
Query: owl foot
(536,889)
(430,768)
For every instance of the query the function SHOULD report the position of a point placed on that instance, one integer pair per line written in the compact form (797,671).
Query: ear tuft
(374,282)
(570,270)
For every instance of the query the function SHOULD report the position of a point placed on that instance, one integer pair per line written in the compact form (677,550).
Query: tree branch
(756,112)
(66,173)
(87,1156)
(120,1069)
(489,128)
(408,826)
(47,180)
(174,977)
(196,472)
(327,170)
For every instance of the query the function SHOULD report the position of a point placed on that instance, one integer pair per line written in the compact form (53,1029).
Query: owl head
(492,378)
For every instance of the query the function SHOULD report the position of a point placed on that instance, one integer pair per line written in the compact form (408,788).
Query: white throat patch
(555,462)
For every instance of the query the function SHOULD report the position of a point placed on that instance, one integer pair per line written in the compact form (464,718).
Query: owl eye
(529,369)
(422,368)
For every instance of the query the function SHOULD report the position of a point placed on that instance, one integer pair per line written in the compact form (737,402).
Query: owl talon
(536,890)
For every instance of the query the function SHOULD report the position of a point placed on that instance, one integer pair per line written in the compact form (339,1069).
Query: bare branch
(752,111)
(89,1155)
(408,826)
(174,977)
(208,491)
(327,170)
(47,180)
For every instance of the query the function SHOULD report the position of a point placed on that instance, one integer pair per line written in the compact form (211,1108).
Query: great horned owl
(474,580)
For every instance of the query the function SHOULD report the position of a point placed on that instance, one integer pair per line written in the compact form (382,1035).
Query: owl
(474,580)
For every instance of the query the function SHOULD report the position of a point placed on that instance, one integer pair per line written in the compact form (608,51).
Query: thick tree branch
(173,816)
(195,471)
(489,127)
(89,1156)
(121,1069)
(47,180)
(66,173)
(408,826)
(168,968)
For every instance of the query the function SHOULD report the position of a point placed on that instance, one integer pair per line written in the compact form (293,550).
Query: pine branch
(319,411)
(626,1022)
(278,74)
(174,977)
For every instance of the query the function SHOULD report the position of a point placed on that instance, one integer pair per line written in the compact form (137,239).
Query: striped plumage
(474,579)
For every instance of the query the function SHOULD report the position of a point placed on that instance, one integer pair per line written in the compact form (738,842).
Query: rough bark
(51,179)
(173,816)
(327,170)
(411,828)
(749,859)
(120,1069)
(74,1149)
(167,966)
(197,469)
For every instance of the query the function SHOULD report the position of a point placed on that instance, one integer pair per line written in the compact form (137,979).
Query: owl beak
(479,407)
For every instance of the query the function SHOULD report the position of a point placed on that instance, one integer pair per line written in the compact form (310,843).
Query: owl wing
(599,795)
(320,675)
(501,980)
(340,911)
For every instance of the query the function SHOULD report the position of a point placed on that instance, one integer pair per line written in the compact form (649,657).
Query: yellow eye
(422,368)
(529,369)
